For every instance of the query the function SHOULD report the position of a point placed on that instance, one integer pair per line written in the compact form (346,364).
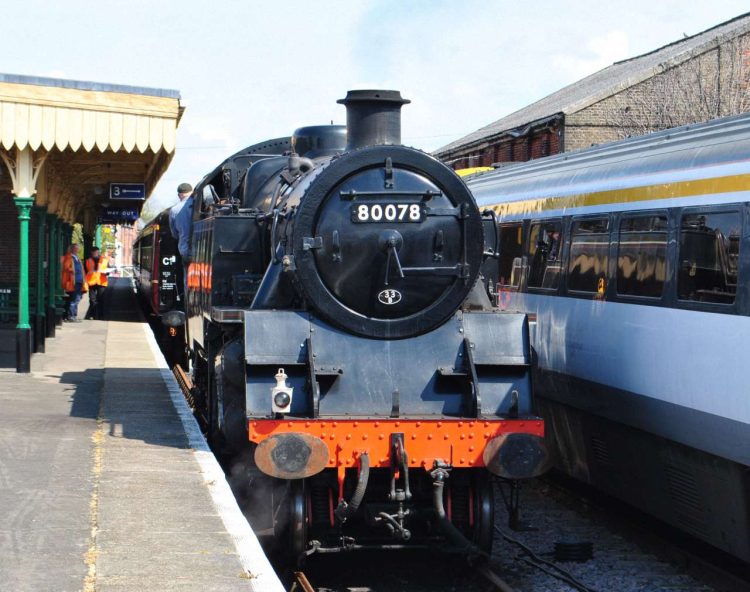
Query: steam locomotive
(343,342)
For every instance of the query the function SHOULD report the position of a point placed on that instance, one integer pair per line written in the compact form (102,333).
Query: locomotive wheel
(201,389)
(484,511)
(473,508)
(215,437)
(228,421)
(298,520)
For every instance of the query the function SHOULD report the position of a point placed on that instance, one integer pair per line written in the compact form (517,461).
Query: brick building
(694,79)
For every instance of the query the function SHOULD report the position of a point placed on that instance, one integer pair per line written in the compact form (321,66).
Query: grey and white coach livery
(634,258)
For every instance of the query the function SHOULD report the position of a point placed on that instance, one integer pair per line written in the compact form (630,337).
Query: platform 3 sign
(117,214)
(127,191)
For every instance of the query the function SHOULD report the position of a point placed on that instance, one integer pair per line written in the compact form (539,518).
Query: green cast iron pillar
(53,270)
(62,247)
(88,244)
(23,329)
(40,313)
(98,235)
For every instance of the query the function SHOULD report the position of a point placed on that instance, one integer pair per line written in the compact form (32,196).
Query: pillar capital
(24,207)
(24,167)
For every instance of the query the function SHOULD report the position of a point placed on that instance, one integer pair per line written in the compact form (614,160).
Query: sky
(253,69)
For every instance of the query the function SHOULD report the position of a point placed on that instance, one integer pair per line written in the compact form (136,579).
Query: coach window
(642,256)
(146,252)
(589,252)
(709,254)
(511,252)
(545,248)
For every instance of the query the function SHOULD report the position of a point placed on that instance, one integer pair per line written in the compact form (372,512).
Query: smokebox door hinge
(312,242)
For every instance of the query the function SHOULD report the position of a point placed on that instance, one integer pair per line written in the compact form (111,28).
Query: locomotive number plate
(387,212)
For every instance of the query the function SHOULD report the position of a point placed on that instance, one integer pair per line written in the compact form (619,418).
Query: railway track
(689,556)
(301,583)
(624,558)
(624,555)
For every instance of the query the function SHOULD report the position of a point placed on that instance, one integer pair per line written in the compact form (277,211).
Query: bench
(9,304)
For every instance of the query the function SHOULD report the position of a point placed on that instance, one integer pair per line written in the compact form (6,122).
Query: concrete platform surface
(106,484)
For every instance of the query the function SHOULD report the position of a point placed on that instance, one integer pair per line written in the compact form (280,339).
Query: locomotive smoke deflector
(373,117)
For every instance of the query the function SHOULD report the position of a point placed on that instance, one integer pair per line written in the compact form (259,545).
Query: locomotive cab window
(510,264)
(709,257)
(545,250)
(589,253)
(642,256)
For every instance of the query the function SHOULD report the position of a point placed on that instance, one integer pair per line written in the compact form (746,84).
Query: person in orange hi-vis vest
(73,282)
(96,279)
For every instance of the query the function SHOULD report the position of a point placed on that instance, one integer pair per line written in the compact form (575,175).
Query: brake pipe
(455,536)
(345,511)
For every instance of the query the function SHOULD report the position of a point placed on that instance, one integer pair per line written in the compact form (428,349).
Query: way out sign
(118,214)
(127,191)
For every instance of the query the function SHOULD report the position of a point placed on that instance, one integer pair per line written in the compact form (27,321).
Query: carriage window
(642,256)
(545,249)
(146,255)
(511,253)
(589,253)
(709,254)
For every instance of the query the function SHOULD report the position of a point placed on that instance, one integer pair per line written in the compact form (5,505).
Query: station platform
(106,483)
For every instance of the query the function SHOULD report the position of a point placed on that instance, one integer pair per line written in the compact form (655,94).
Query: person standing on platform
(96,279)
(180,225)
(73,282)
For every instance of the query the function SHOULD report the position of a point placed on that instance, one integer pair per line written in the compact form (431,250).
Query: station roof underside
(83,136)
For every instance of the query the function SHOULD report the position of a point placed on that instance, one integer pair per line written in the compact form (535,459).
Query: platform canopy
(63,142)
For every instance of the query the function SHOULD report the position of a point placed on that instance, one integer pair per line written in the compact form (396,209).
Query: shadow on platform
(133,402)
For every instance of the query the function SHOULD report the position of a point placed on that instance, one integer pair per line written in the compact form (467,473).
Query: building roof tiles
(607,82)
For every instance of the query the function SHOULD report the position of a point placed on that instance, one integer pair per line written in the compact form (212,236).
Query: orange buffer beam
(457,442)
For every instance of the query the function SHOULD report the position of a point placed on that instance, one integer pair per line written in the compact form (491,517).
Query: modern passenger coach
(634,259)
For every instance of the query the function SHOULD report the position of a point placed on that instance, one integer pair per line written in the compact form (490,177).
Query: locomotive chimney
(373,117)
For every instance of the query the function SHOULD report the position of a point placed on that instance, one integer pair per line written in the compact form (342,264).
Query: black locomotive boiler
(343,339)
